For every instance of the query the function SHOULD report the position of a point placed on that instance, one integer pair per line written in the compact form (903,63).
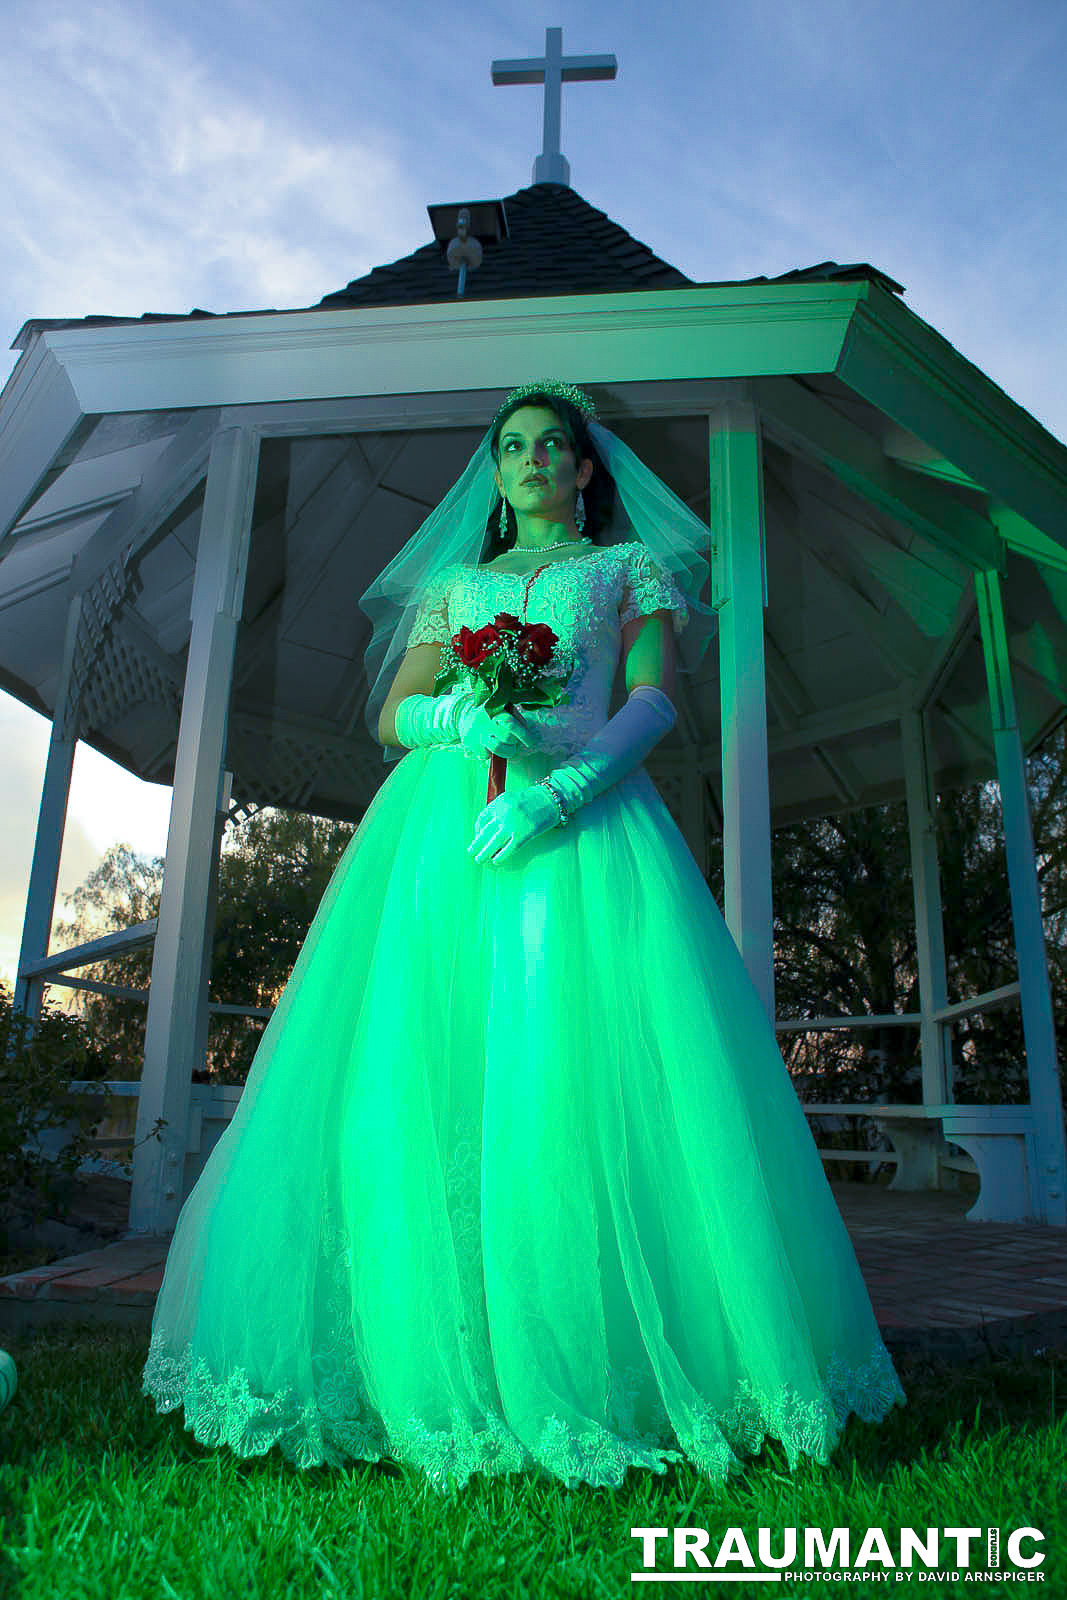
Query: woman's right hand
(485,735)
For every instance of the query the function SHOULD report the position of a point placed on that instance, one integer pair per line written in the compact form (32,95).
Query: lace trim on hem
(343,1425)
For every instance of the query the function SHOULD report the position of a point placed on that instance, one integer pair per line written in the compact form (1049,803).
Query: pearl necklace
(530,549)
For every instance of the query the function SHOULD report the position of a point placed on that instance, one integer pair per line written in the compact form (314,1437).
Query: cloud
(137,179)
(24,741)
(106,805)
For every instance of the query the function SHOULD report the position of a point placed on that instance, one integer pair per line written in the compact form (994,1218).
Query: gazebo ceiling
(891,469)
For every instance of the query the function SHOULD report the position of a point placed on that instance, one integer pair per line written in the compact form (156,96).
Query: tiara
(559,391)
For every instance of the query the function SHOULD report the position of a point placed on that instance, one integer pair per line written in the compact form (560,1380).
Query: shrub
(38,1060)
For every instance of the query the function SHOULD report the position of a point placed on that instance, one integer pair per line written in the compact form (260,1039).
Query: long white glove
(512,819)
(621,744)
(427,719)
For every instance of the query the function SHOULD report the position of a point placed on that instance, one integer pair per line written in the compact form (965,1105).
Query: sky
(243,155)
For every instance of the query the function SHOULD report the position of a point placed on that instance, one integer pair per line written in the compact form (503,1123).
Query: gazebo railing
(947,1014)
(52,969)
(117,1098)
(998,1141)
(56,969)
(1001,1134)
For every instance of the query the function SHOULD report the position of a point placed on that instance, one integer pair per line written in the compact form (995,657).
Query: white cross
(554,69)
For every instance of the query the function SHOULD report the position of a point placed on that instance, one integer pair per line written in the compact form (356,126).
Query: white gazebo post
(51,824)
(929,923)
(916,1142)
(737,518)
(177,999)
(553,69)
(203,1008)
(1049,1182)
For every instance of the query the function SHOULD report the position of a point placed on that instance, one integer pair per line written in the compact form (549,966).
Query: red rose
(488,640)
(535,644)
(505,622)
(472,648)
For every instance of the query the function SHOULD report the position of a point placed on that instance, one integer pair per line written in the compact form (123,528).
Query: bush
(37,1063)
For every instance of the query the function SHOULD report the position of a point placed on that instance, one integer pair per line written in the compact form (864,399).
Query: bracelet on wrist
(561,804)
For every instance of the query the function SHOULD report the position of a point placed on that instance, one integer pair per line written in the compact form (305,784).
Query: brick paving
(954,1288)
(938,1283)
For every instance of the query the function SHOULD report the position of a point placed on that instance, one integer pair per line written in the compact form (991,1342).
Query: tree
(273,871)
(271,880)
(845,938)
(845,946)
(119,893)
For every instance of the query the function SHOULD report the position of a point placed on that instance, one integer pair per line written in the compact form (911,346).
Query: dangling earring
(579,512)
(503,518)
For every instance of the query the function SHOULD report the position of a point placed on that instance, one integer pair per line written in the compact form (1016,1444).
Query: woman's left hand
(510,821)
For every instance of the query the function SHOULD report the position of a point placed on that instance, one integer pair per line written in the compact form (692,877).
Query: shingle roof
(556,243)
(553,243)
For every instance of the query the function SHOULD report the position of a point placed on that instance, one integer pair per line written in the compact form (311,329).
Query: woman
(518,1180)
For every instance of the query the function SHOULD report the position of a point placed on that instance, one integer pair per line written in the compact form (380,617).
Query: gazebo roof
(893,468)
(542,240)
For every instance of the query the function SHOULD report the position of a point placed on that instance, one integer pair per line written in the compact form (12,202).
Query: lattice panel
(101,604)
(241,810)
(285,768)
(124,677)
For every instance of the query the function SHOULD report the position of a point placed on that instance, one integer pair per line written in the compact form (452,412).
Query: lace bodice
(585,600)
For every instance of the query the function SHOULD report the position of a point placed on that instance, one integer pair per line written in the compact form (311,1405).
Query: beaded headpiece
(559,391)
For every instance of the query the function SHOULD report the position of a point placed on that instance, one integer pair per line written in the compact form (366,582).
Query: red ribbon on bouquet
(498,767)
(498,771)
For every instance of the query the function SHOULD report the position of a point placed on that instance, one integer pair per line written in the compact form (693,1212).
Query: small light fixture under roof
(464,230)
(464,253)
(488,224)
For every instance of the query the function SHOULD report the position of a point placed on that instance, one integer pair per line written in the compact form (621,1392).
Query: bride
(518,1180)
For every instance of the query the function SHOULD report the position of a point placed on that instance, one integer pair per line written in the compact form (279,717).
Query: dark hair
(598,494)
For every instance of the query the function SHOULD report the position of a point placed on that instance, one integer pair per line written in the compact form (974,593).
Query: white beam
(452,408)
(178,976)
(170,479)
(737,517)
(1021,536)
(934,1038)
(946,654)
(802,420)
(139,937)
(906,370)
(39,417)
(632,336)
(1049,1183)
(51,825)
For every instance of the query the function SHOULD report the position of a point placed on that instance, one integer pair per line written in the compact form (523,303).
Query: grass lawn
(103,1499)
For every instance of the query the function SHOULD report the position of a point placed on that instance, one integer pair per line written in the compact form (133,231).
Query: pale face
(538,473)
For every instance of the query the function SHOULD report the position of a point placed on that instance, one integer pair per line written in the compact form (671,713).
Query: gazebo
(190,506)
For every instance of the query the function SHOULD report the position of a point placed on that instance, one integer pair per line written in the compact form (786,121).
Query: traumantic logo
(928,1555)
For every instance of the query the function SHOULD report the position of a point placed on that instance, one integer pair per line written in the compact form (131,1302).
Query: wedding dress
(519,1180)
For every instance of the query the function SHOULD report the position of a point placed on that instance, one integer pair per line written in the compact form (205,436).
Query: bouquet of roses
(504,664)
